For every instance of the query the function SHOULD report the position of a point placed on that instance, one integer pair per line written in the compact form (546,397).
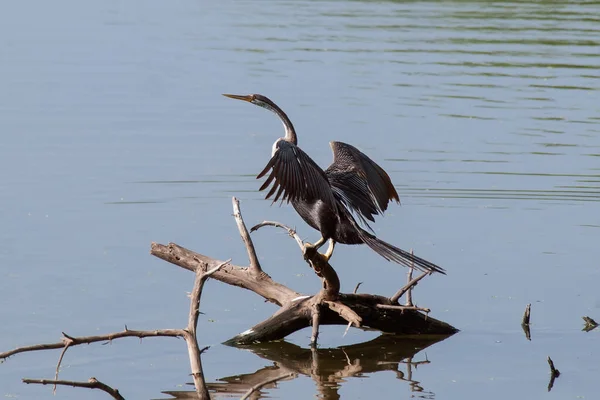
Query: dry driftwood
(297,311)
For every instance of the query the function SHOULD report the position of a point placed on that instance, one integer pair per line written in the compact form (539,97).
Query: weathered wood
(296,311)
(261,284)
(328,307)
(294,317)
(92,383)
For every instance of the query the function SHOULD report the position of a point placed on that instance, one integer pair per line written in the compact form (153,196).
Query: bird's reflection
(329,368)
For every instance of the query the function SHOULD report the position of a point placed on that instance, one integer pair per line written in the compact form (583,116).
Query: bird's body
(333,224)
(326,199)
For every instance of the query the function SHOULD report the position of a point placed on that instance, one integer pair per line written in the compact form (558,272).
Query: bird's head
(265,102)
(257,99)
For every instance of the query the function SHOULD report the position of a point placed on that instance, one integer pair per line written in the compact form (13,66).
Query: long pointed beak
(247,98)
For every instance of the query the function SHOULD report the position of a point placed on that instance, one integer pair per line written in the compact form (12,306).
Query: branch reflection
(329,368)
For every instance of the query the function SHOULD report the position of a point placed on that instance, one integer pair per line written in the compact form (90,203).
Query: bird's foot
(329,251)
(310,251)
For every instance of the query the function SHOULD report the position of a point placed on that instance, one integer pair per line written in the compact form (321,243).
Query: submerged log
(297,311)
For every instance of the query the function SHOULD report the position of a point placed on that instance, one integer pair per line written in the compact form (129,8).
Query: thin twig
(202,350)
(252,257)
(409,277)
(290,231)
(415,363)
(347,329)
(262,384)
(350,323)
(211,272)
(68,342)
(92,383)
(344,311)
(409,285)
(404,308)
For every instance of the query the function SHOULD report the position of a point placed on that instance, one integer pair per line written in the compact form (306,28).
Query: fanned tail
(397,255)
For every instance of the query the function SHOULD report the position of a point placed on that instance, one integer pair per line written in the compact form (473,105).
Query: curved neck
(290,133)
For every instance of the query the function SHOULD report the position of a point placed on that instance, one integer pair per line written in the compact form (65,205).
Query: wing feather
(295,176)
(362,185)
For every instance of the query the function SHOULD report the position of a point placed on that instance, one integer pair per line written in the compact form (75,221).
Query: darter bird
(325,200)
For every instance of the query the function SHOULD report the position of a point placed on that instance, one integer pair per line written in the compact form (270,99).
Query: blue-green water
(113,134)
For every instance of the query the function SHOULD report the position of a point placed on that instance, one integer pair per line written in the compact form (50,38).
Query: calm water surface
(113,134)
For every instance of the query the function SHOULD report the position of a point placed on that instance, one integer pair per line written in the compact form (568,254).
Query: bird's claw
(309,251)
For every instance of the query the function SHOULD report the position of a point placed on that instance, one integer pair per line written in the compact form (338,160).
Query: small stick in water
(554,373)
(526,315)
(525,322)
(590,324)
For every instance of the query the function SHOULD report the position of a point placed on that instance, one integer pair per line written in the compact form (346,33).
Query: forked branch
(252,258)
(299,311)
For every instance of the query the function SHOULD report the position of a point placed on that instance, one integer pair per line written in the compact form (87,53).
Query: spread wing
(362,185)
(295,176)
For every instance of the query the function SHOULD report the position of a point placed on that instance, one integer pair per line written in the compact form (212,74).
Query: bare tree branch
(403,308)
(254,263)
(290,231)
(345,312)
(230,274)
(92,339)
(68,342)
(92,383)
(356,287)
(190,336)
(407,287)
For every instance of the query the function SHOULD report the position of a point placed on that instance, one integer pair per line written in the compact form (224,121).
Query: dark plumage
(353,183)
